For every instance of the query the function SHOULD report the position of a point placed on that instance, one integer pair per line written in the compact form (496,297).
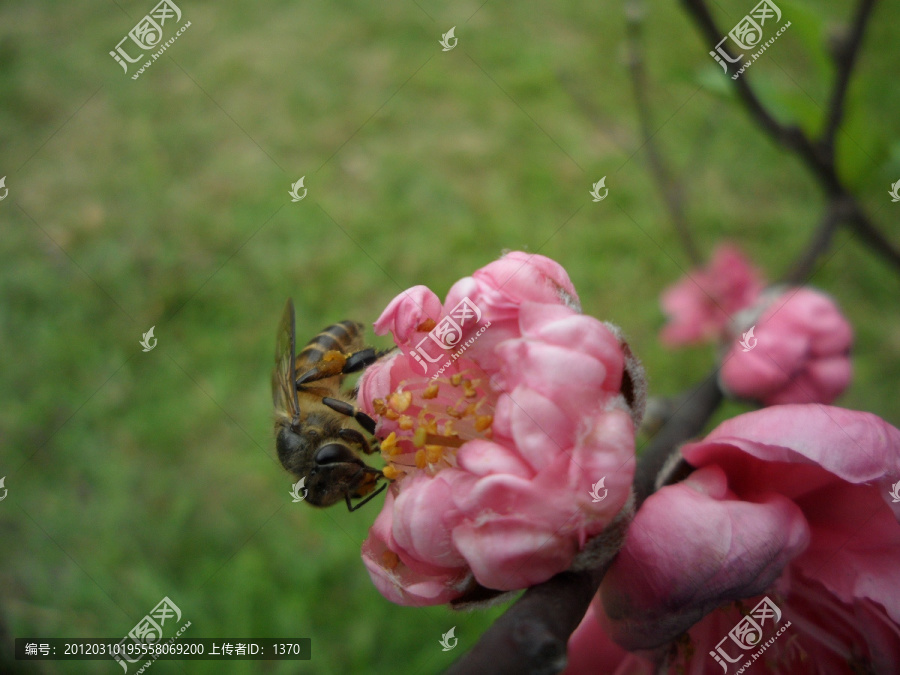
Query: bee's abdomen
(341,337)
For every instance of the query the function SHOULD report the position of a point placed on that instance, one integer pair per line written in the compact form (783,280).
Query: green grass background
(163,201)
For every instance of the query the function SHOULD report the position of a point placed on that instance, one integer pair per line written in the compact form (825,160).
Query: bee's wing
(284,377)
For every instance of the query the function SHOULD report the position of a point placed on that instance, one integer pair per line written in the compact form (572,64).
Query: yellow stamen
(405,422)
(426,325)
(390,559)
(469,390)
(400,400)
(420,459)
(431,391)
(419,437)
(393,473)
(378,406)
(456,379)
(483,422)
(433,453)
(389,443)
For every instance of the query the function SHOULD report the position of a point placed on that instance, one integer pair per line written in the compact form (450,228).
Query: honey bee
(315,420)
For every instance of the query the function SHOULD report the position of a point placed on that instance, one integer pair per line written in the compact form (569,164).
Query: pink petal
(484,458)
(406,312)
(424,517)
(686,553)
(590,652)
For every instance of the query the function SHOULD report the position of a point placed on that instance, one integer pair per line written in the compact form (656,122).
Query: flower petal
(687,552)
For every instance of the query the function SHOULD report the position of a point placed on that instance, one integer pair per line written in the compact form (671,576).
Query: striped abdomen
(345,337)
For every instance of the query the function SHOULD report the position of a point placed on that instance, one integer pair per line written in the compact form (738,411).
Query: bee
(315,421)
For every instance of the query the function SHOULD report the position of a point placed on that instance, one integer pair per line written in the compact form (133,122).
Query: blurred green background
(163,201)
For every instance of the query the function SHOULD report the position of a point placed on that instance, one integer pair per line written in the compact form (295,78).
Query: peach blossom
(496,450)
(799,353)
(789,503)
(700,304)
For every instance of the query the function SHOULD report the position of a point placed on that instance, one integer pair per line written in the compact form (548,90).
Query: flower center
(429,420)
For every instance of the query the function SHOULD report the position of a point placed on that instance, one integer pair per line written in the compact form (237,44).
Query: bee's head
(294,448)
(336,472)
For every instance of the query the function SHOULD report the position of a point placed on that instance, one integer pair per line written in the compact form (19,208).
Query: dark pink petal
(689,551)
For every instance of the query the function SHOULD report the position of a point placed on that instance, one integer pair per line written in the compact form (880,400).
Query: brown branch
(845,56)
(836,212)
(818,155)
(668,187)
(872,236)
(695,408)
(531,637)
(791,136)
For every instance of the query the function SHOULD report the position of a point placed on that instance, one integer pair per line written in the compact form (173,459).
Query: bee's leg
(361,359)
(364,358)
(351,410)
(332,363)
(336,363)
(365,501)
(357,439)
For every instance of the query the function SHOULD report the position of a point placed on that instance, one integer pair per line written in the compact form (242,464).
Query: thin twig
(669,188)
(818,155)
(872,236)
(845,57)
(837,211)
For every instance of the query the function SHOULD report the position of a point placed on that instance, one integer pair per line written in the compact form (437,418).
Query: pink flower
(591,652)
(497,432)
(799,352)
(789,503)
(700,304)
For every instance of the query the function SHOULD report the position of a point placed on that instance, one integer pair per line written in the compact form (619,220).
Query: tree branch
(531,637)
(791,136)
(845,56)
(667,186)
(872,236)
(836,211)
(818,156)
(695,407)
